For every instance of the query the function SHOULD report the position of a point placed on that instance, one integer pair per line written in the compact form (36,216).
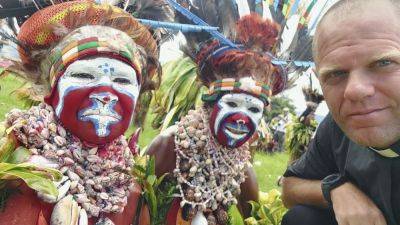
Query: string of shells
(208,174)
(100,180)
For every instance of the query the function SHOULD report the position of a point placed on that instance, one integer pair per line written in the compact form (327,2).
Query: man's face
(235,118)
(95,98)
(358,64)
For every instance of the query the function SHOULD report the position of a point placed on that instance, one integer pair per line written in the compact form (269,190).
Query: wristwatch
(331,182)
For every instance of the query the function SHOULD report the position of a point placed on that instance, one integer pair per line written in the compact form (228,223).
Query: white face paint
(97,72)
(238,103)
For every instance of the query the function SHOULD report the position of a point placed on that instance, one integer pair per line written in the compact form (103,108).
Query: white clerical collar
(388,153)
(392,152)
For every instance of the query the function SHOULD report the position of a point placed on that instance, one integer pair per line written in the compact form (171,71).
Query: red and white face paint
(95,99)
(235,118)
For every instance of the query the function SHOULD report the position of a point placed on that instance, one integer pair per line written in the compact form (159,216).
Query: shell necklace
(100,180)
(208,174)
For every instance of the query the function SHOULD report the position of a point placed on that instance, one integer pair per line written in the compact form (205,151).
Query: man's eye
(83,76)
(383,63)
(232,104)
(121,80)
(337,73)
(254,110)
(334,75)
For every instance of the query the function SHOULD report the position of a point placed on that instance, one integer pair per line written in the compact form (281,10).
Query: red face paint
(77,101)
(95,99)
(234,129)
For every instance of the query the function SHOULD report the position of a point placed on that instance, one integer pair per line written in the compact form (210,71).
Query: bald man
(351,173)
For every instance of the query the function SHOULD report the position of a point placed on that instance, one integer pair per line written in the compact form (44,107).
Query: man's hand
(353,207)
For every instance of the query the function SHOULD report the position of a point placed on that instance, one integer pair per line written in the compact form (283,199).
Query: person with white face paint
(207,151)
(92,62)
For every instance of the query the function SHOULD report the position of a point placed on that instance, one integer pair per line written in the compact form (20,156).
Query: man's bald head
(345,9)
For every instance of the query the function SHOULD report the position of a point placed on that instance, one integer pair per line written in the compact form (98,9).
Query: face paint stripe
(64,93)
(99,120)
(225,119)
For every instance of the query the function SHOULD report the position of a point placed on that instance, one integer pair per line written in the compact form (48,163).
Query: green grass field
(268,167)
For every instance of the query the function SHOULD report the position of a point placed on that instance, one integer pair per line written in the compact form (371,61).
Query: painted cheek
(78,100)
(232,119)
(213,118)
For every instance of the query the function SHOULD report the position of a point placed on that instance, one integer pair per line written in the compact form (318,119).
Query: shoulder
(329,131)
(163,141)
(163,149)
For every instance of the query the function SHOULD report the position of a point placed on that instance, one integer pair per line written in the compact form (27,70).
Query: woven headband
(92,46)
(259,90)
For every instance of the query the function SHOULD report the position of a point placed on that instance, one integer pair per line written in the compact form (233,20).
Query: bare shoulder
(163,149)
(166,139)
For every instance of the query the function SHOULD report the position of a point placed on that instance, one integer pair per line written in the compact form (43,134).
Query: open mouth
(98,114)
(236,132)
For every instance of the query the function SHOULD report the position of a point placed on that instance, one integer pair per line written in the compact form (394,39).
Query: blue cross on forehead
(107,69)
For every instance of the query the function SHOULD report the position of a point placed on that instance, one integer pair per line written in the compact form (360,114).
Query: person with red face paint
(207,151)
(91,62)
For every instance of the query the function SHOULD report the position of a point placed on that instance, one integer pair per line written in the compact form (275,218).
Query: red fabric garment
(174,215)
(26,208)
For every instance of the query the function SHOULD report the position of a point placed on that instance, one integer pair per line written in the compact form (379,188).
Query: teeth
(236,131)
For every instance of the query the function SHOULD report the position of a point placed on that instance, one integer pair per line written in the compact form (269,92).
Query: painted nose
(240,122)
(105,97)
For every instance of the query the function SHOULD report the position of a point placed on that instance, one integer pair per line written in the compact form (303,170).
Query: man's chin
(372,137)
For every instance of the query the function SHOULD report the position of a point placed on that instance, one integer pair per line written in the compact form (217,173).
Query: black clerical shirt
(332,152)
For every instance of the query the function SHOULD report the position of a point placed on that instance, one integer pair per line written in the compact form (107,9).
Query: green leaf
(20,155)
(39,179)
(151,199)
(169,118)
(6,149)
(235,218)
(160,180)
(255,206)
(151,179)
(151,166)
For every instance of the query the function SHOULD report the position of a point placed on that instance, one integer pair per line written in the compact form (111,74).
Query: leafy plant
(298,136)
(179,92)
(39,179)
(157,194)
(11,168)
(268,211)
(277,105)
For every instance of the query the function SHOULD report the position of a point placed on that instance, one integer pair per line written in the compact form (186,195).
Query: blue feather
(198,21)
(177,26)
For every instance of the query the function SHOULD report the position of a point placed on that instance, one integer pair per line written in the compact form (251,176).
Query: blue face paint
(99,94)
(101,113)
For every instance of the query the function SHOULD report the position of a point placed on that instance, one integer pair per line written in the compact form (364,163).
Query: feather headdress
(51,31)
(217,62)
(313,97)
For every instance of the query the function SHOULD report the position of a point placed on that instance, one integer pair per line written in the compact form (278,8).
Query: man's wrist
(331,182)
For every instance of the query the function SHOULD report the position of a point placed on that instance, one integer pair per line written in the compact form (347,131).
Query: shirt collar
(392,152)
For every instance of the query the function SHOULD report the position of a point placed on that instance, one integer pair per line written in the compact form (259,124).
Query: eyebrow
(386,55)
(327,70)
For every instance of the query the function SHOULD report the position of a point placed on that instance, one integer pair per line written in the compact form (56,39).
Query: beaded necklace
(100,179)
(208,174)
